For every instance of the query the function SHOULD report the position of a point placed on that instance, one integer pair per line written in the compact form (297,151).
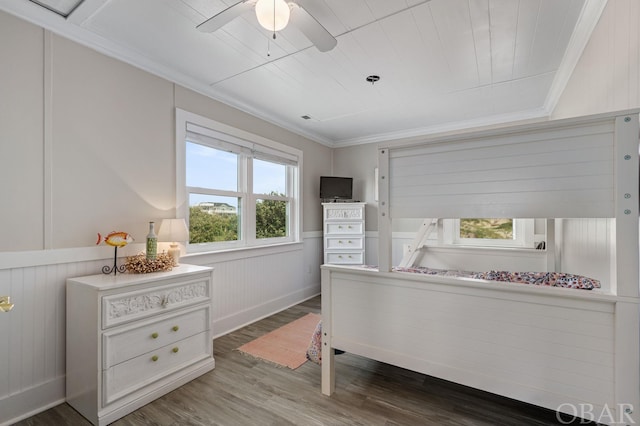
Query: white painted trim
(591,12)
(250,140)
(47,141)
(626,205)
(384,213)
(536,116)
(29,402)
(226,325)
(86,10)
(210,258)
(206,122)
(482,132)
(25,259)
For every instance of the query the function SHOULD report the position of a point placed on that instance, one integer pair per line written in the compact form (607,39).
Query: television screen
(332,187)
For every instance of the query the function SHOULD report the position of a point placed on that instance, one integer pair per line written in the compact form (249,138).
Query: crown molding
(527,116)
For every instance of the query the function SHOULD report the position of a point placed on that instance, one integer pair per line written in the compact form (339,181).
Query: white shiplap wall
(607,76)
(586,247)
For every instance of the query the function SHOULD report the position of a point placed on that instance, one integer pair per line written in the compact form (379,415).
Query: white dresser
(344,233)
(134,337)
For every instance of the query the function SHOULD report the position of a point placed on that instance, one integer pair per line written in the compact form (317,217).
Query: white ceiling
(443,64)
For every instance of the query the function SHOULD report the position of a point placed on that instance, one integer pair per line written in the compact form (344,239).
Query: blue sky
(212,168)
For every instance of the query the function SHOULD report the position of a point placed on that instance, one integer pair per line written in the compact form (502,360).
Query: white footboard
(562,349)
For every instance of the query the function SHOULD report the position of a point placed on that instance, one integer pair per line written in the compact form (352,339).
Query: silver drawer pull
(339,241)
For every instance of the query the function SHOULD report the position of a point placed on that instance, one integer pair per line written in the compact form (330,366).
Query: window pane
(211,168)
(493,229)
(271,218)
(269,178)
(213,218)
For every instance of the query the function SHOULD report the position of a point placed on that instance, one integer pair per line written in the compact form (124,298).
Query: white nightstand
(134,337)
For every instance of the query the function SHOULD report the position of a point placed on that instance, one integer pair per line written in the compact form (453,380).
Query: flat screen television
(333,188)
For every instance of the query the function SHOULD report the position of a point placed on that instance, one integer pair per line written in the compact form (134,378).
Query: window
(240,190)
(488,229)
(489,232)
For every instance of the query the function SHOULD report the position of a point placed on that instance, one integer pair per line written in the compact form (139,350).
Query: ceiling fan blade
(311,28)
(229,14)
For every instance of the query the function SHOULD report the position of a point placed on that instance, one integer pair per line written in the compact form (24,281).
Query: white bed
(575,351)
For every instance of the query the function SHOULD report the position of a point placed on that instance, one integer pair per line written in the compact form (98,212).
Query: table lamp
(173,231)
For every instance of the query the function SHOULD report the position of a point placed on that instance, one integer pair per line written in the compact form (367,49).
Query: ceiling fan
(274,15)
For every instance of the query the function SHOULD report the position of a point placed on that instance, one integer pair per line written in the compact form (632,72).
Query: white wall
(21,130)
(607,76)
(87,145)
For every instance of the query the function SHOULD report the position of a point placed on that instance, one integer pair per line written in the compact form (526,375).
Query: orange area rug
(287,345)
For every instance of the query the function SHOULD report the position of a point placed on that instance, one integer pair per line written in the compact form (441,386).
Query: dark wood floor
(245,391)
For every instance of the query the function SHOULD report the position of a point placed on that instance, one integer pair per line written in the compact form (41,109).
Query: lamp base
(174,251)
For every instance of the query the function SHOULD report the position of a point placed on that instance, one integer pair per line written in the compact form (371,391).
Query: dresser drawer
(124,307)
(355,258)
(344,228)
(342,213)
(129,376)
(341,243)
(124,343)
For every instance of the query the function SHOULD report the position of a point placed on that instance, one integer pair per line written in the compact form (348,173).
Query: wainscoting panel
(253,287)
(32,358)
(248,285)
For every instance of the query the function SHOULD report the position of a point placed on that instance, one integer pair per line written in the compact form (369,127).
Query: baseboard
(238,320)
(32,401)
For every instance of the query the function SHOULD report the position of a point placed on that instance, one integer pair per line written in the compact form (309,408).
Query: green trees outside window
(206,226)
(495,229)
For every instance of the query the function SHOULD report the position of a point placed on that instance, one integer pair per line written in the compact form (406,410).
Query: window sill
(225,255)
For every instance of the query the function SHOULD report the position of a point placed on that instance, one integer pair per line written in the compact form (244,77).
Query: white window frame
(523,235)
(248,146)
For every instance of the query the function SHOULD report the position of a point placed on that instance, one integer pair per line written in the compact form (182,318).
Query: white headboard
(583,167)
(553,169)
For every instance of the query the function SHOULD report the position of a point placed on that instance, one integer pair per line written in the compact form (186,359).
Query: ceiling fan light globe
(265,14)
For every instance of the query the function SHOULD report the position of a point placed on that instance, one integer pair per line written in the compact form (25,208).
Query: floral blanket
(314,351)
(550,279)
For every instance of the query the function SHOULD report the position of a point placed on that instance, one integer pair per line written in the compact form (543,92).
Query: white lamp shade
(265,14)
(173,230)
